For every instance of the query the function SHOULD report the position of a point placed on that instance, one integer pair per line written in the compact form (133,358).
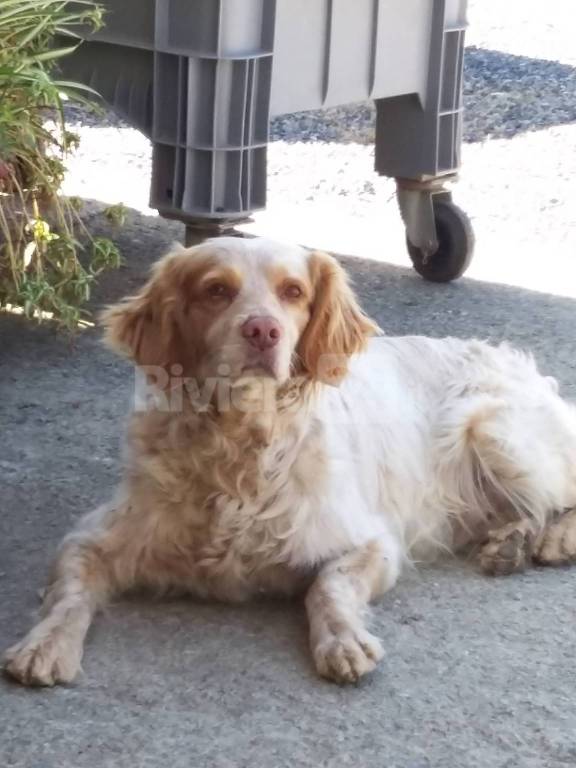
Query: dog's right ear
(148,328)
(138,329)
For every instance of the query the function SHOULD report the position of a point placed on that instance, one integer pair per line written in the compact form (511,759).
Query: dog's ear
(152,328)
(337,328)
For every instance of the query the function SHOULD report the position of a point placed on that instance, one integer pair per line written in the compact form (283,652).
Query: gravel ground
(533,28)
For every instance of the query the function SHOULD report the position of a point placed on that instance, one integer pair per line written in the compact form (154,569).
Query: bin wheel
(455,245)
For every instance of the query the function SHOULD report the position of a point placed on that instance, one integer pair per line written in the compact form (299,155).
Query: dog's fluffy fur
(321,464)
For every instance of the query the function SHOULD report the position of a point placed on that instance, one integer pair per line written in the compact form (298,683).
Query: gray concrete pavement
(479,673)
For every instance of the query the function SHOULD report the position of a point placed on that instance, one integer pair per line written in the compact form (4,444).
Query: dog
(275,447)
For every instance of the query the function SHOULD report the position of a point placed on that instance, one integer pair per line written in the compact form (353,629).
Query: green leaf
(57,53)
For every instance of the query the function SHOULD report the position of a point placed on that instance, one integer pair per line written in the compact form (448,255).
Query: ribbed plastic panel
(421,137)
(202,77)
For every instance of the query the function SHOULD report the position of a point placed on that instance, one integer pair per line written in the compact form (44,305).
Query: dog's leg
(343,649)
(557,543)
(509,549)
(81,582)
(52,651)
(513,547)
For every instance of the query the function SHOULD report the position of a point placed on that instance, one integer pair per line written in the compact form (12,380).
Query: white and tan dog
(277,450)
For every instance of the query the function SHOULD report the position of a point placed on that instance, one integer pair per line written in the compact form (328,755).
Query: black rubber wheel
(455,245)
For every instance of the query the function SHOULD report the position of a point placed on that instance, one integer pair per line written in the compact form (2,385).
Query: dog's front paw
(347,656)
(43,658)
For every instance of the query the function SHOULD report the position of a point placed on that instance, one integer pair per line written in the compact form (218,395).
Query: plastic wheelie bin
(202,78)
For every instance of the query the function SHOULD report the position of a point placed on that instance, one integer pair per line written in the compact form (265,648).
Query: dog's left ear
(337,328)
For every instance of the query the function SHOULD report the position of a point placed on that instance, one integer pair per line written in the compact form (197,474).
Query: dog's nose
(262,332)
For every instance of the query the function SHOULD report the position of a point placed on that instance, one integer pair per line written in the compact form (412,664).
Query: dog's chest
(258,526)
(234,527)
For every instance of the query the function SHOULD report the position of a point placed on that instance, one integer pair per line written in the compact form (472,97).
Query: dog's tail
(487,470)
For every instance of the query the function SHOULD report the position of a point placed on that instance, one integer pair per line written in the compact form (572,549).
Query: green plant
(116,214)
(40,268)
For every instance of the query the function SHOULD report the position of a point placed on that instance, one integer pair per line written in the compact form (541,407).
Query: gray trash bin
(201,78)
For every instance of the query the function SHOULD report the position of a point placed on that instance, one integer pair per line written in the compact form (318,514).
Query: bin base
(199,230)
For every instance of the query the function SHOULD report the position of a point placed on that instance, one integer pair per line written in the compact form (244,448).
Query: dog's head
(234,307)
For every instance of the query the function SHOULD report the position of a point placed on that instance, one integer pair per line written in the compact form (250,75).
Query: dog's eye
(291,291)
(218,291)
